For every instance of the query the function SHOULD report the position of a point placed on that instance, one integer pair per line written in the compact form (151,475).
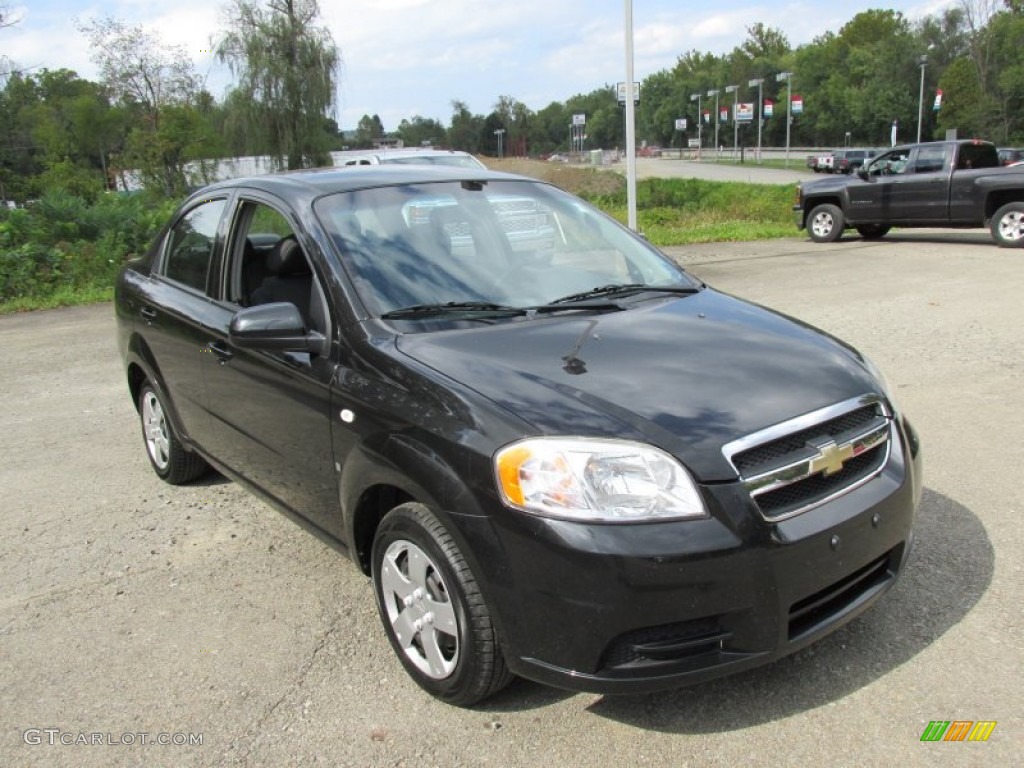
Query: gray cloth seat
(288,277)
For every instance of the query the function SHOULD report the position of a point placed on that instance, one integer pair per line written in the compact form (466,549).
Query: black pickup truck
(935,184)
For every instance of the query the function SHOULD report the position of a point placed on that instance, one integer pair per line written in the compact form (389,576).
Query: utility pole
(714,92)
(735,91)
(759,82)
(700,122)
(788,77)
(630,120)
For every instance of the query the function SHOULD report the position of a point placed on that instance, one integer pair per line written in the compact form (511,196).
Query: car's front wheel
(825,224)
(432,609)
(1008,226)
(168,456)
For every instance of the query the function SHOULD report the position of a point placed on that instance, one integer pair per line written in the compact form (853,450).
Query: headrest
(287,258)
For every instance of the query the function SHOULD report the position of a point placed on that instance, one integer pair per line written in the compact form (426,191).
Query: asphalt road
(132,607)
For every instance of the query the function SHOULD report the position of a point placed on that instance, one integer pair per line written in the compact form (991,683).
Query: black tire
(873,231)
(825,223)
(1007,226)
(462,665)
(170,460)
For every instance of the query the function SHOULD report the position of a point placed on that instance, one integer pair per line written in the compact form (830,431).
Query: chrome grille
(804,462)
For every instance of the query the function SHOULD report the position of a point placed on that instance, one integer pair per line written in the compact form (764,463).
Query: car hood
(687,374)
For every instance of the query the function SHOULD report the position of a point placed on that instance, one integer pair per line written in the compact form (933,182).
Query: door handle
(148,313)
(221,350)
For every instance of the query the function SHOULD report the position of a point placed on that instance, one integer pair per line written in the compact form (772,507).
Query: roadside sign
(620,88)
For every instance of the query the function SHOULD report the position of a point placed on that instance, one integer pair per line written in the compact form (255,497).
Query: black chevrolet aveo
(556,453)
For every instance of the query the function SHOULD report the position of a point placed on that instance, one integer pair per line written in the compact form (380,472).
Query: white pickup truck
(823,163)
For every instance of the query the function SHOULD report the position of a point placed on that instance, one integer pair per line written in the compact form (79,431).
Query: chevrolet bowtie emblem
(830,458)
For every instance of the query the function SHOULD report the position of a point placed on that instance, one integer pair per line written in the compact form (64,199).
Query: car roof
(313,183)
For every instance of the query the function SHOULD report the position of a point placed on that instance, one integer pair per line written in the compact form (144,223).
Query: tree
(7,19)
(368,129)
(151,79)
(421,131)
(138,68)
(466,128)
(765,43)
(288,68)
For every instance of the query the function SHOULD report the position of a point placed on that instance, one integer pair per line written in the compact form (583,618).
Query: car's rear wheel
(168,456)
(432,609)
(825,224)
(1008,226)
(873,231)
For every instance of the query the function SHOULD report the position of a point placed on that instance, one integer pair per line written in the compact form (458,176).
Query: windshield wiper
(623,289)
(487,308)
(452,308)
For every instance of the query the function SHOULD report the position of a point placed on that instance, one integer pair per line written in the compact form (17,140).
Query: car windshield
(478,245)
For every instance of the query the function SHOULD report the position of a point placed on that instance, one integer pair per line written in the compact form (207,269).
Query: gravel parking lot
(131,607)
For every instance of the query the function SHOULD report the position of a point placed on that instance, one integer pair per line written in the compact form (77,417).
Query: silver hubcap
(1011,226)
(822,224)
(154,426)
(420,610)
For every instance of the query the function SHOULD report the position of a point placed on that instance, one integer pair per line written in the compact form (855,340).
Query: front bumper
(636,608)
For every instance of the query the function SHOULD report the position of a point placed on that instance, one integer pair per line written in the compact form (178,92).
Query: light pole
(499,132)
(714,92)
(759,82)
(700,122)
(630,119)
(788,77)
(920,101)
(735,91)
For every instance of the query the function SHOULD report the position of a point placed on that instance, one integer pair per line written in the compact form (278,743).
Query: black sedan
(556,453)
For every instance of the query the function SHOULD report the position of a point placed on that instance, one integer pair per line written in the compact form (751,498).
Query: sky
(402,58)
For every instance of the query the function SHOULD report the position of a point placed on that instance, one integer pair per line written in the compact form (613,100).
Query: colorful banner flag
(798,104)
(707,115)
(723,115)
(938,100)
(769,105)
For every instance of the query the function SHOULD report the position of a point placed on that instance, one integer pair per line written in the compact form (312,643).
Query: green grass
(66,296)
(682,211)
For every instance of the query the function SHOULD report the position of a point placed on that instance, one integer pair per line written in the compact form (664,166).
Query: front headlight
(596,480)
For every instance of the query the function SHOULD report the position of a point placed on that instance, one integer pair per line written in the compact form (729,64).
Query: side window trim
(238,221)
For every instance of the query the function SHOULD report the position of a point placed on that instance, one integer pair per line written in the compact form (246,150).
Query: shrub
(62,246)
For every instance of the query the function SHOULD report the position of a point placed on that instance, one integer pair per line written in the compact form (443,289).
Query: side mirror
(864,173)
(274,327)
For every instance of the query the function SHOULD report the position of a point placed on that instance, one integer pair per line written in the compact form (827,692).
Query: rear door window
(931,159)
(191,243)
